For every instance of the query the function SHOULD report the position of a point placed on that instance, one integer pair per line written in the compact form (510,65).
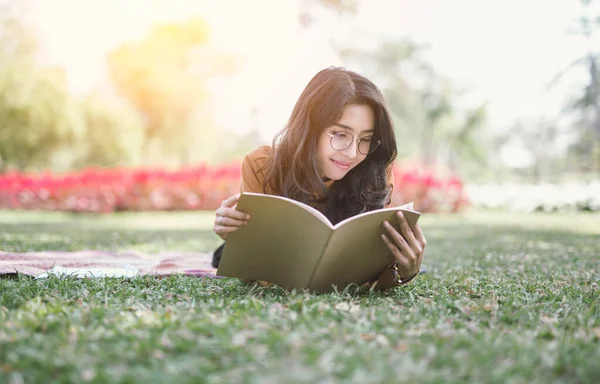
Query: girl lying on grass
(335,154)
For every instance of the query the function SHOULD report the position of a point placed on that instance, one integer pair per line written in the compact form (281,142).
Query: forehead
(357,119)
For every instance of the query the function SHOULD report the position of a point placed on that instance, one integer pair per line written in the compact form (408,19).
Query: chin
(335,174)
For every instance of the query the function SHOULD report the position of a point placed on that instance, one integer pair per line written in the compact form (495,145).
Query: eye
(341,135)
(367,139)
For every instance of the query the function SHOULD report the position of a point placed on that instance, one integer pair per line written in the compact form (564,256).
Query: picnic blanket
(160,264)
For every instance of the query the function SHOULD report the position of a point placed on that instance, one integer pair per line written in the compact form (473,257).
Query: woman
(335,154)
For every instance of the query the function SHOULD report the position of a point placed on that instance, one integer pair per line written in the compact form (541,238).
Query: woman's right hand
(228,219)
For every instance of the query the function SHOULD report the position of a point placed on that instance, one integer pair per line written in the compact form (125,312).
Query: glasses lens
(341,140)
(368,145)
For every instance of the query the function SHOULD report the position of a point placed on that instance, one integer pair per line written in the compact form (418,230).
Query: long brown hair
(293,171)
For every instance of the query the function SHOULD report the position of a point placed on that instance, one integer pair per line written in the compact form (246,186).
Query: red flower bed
(429,192)
(194,188)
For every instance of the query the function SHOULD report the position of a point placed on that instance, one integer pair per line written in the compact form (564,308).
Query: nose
(352,149)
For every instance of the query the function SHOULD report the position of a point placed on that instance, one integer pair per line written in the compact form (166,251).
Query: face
(358,120)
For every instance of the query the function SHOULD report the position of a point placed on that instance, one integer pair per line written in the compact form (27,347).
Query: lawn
(506,298)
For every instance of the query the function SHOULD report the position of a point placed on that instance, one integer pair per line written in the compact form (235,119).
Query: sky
(504,52)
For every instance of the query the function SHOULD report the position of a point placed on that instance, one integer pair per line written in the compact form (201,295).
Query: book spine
(318,263)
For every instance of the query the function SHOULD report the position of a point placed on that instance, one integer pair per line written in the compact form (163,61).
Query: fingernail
(247,217)
(400,214)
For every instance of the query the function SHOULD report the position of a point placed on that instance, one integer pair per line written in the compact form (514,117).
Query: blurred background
(151,105)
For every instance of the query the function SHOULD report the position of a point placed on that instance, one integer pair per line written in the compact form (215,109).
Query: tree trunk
(427,144)
(595,85)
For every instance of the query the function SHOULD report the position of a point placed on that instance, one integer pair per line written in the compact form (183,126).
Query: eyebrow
(351,129)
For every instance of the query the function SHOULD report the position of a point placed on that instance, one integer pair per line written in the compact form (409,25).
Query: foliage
(201,187)
(310,10)
(585,103)
(538,138)
(106,190)
(507,298)
(38,119)
(113,132)
(164,76)
(42,125)
(429,122)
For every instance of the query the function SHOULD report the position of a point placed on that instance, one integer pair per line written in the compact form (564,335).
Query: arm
(227,218)
(407,246)
(413,245)
(385,279)
(252,178)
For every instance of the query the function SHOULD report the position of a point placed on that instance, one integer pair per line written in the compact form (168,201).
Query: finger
(229,222)
(232,213)
(231,201)
(402,260)
(419,236)
(221,229)
(408,234)
(391,246)
(399,240)
(421,239)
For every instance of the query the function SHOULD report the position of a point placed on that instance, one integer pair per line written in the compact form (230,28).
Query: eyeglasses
(341,140)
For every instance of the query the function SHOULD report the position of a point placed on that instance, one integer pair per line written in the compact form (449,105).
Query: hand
(407,247)
(228,219)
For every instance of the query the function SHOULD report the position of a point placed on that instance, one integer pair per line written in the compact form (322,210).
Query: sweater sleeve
(252,170)
(385,279)
(250,180)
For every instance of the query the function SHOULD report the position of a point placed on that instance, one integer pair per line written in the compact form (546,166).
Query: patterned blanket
(99,263)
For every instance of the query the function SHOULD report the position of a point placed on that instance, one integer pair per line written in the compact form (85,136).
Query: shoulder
(253,170)
(257,159)
(261,153)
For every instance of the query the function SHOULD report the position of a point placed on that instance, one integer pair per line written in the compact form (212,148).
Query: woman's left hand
(407,247)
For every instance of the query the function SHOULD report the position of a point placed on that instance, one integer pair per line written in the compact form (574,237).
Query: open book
(293,245)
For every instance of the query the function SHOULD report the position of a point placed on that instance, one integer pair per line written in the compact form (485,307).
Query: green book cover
(293,245)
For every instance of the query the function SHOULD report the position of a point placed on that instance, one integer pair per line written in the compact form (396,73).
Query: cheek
(323,149)
(359,159)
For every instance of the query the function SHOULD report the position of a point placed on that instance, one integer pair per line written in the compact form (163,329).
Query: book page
(404,208)
(281,243)
(356,253)
(310,209)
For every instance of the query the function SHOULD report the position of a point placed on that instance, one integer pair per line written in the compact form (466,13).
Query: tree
(309,9)
(38,118)
(586,103)
(424,107)
(591,96)
(113,132)
(538,138)
(164,77)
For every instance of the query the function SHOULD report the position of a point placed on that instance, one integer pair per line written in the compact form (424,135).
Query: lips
(341,165)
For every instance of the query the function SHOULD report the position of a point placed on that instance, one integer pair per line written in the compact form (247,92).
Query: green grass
(507,298)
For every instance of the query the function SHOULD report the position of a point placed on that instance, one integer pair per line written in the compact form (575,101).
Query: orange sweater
(252,181)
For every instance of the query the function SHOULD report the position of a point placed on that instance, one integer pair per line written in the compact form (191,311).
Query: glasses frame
(332,135)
